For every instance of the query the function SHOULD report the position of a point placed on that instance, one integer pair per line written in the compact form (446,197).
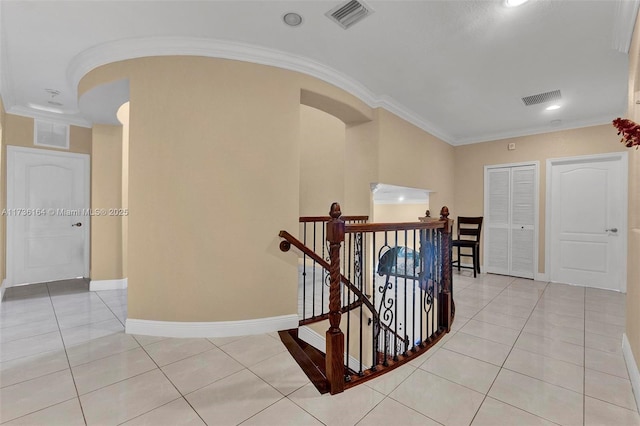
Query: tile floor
(521,353)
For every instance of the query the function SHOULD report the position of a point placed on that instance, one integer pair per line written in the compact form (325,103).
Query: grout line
(67,355)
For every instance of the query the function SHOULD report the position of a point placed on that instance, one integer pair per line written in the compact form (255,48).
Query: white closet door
(497,220)
(510,220)
(522,221)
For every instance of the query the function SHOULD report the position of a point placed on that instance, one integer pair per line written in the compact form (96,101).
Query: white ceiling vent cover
(51,135)
(541,98)
(349,13)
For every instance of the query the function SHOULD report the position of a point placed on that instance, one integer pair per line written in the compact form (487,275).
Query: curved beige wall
(214,174)
(471,159)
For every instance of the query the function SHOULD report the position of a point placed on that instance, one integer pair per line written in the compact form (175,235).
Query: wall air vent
(541,98)
(51,135)
(349,13)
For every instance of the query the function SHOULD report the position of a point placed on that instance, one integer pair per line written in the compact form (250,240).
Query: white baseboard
(319,342)
(3,286)
(100,285)
(211,329)
(541,276)
(632,368)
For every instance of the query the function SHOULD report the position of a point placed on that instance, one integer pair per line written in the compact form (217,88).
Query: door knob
(79,224)
(614,230)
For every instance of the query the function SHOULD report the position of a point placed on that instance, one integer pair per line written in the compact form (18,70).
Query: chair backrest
(469,228)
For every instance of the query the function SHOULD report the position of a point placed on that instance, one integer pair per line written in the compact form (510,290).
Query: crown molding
(536,130)
(132,48)
(49,116)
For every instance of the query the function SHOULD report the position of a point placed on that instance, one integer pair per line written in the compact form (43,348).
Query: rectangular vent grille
(349,13)
(51,135)
(542,98)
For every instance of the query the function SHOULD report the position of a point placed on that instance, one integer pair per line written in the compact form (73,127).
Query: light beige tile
(77,335)
(27,368)
(423,357)
(551,348)
(508,321)
(603,343)
(29,329)
(75,319)
(461,369)
(390,412)
(599,413)
(342,409)
(495,333)
(135,396)
(494,413)
(612,389)
(387,382)
(604,329)
(475,347)
(30,346)
(217,405)
(106,371)
(606,318)
(283,412)
(468,310)
(253,349)
(148,340)
(171,350)
(557,320)
(67,413)
(36,394)
(550,370)
(200,370)
(551,402)
(100,348)
(177,413)
(554,332)
(505,308)
(605,362)
(282,372)
(221,341)
(437,398)
(611,308)
(546,305)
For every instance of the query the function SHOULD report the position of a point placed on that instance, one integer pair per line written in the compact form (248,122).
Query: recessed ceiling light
(552,107)
(401,198)
(514,3)
(292,19)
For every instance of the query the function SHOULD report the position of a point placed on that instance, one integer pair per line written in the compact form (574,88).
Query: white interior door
(588,221)
(510,243)
(47,220)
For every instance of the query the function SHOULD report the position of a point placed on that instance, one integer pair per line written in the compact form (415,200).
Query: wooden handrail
(402,226)
(304,219)
(324,264)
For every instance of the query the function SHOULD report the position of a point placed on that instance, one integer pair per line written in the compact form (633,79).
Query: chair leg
(473,250)
(478,256)
(459,248)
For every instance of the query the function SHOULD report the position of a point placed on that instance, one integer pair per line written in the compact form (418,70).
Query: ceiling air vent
(349,13)
(541,98)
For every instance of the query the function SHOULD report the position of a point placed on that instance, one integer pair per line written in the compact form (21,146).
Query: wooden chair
(468,238)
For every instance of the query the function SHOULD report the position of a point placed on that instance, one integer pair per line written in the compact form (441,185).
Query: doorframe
(11,153)
(621,156)
(536,218)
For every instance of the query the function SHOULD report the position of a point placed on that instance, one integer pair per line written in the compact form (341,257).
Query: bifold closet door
(510,206)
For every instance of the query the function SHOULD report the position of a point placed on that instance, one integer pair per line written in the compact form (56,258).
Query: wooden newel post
(445,298)
(335,338)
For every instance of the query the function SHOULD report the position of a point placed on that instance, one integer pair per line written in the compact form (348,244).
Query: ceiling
(457,69)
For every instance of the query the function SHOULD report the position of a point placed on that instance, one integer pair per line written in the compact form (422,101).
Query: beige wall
(633,254)
(390,213)
(408,156)
(322,161)
(106,193)
(471,159)
(214,174)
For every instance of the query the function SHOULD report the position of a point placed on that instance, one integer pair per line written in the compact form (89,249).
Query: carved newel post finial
(334,211)
(427,213)
(444,213)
